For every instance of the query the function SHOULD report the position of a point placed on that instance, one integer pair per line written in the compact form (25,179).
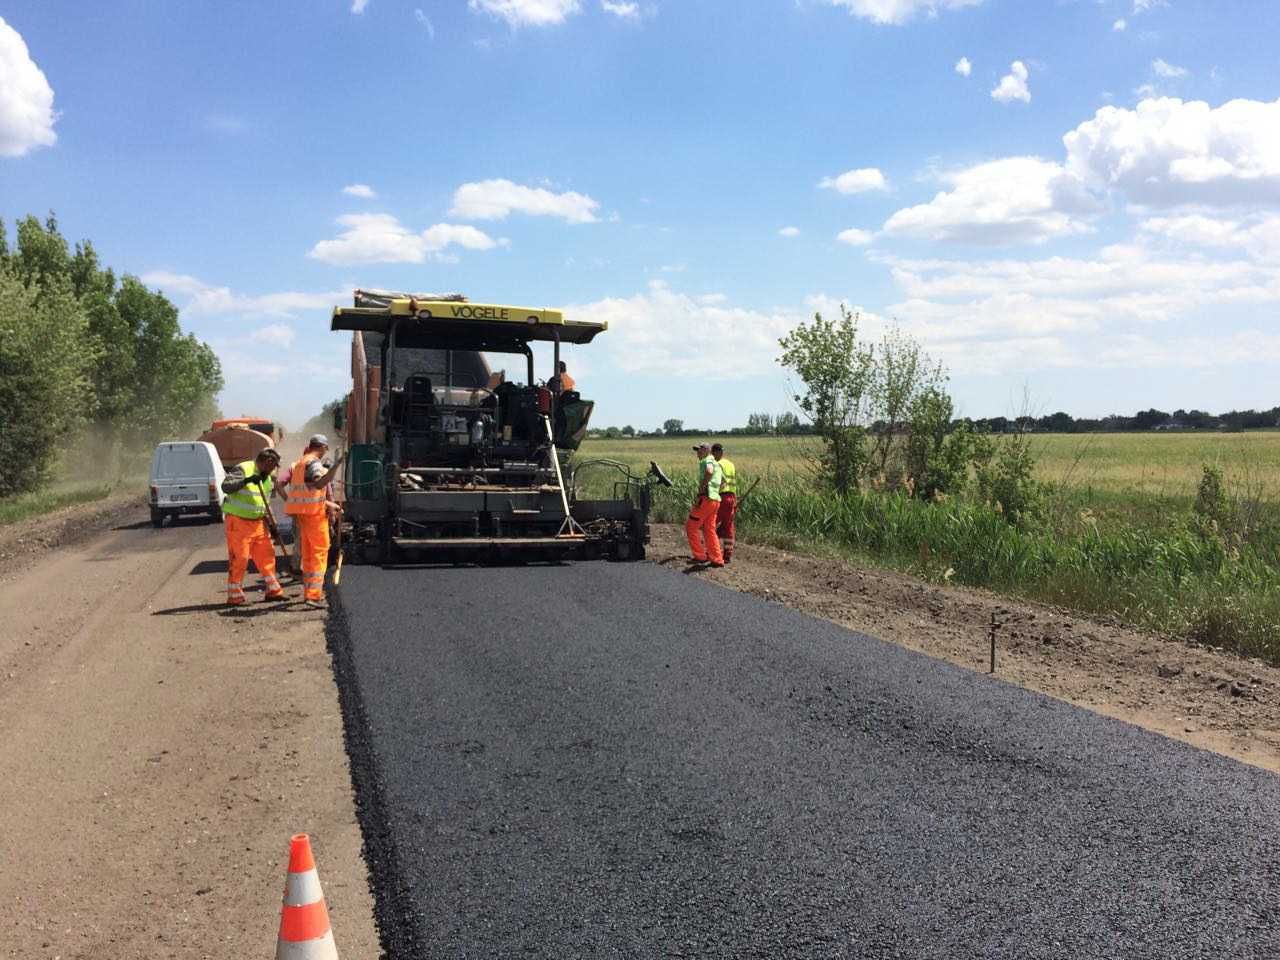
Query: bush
(1004,477)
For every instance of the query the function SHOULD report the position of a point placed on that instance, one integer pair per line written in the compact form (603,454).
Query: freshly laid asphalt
(617,760)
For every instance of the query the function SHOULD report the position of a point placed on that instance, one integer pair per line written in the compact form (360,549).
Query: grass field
(1119,537)
(1159,465)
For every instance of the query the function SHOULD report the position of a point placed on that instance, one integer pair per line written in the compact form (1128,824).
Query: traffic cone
(304,919)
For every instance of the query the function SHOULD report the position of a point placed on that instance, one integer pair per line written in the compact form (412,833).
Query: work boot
(275,595)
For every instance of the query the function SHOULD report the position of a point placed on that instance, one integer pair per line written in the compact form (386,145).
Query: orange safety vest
(301,500)
(567,383)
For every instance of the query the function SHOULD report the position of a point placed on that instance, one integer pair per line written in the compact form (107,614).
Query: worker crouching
(248,488)
(307,501)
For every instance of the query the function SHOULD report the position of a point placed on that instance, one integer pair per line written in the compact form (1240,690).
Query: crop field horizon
(1149,465)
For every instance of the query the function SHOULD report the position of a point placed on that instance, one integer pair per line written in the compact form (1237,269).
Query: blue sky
(1076,201)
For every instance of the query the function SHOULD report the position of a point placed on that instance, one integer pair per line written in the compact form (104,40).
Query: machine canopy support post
(570,527)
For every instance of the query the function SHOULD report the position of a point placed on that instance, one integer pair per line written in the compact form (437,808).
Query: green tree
(905,381)
(146,380)
(672,427)
(838,376)
(45,386)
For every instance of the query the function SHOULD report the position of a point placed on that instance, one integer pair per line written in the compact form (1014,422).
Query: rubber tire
(216,514)
(157,518)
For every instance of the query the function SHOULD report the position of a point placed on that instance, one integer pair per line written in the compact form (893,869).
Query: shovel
(284,563)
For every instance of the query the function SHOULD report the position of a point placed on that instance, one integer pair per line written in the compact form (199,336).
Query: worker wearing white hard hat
(308,502)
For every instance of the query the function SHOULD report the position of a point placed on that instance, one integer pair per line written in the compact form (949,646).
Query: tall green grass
(40,502)
(1174,577)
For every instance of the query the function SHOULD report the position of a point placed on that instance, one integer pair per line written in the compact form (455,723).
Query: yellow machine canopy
(459,322)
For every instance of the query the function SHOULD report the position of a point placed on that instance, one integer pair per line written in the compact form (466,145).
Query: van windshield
(183,460)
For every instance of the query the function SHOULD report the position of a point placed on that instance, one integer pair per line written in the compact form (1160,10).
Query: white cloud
(361,190)
(1120,26)
(226,124)
(1014,200)
(423,19)
(896,12)
(275,334)
(381,238)
(357,6)
(1257,235)
(1008,315)
(964,67)
(1142,6)
(204,299)
(855,181)
(534,13)
(624,11)
(665,333)
(1168,152)
(789,232)
(497,199)
(855,237)
(26,99)
(1168,70)
(1013,85)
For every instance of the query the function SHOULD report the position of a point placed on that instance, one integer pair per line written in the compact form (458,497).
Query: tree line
(790,425)
(91,359)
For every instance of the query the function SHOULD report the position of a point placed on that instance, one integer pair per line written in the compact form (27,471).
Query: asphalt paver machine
(447,459)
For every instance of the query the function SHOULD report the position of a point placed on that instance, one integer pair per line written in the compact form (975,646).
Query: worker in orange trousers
(248,488)
(728,512)
(307,502)
(700,528)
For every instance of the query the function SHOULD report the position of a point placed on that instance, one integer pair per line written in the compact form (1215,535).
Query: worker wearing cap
(728,501)
(307,502)
(700,528)
(248,488)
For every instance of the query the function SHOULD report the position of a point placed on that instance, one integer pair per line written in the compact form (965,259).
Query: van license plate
(182,497)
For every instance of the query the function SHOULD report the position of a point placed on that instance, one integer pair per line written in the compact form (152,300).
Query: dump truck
(238,439)
(447,458)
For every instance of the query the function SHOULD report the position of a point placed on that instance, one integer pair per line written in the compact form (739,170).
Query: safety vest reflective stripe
(249,502)
(301,500)
(730,482)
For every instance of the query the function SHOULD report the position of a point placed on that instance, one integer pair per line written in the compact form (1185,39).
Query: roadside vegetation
(94,370)
(1165,531)
(24,506)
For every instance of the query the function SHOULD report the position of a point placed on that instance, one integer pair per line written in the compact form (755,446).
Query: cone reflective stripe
(305,933)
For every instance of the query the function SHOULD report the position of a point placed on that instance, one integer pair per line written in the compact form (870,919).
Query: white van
(186,477)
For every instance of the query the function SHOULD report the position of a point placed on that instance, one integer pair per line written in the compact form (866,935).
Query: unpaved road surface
(606,760)
(158,751)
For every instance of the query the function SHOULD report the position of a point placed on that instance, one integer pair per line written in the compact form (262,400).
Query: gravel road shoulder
(1205,697)
(160,750)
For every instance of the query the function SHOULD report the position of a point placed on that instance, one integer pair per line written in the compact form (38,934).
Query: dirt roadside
(24,541)
(158,750)
(1201,696)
